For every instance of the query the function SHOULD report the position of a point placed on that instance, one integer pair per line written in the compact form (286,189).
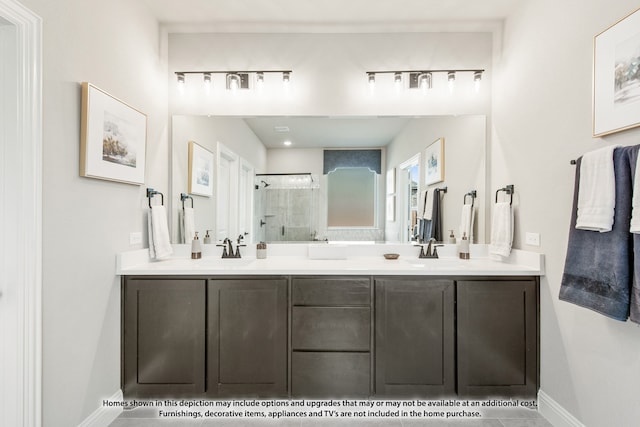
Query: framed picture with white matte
(434,162)
(616,77)
(200,170)
(113,138)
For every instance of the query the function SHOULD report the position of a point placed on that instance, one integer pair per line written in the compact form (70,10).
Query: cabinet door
(497,338)
(164,337)
(247,337)
(414,337)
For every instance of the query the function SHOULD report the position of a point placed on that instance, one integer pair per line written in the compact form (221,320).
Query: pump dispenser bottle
(196,249)
(207,238)
(463,249)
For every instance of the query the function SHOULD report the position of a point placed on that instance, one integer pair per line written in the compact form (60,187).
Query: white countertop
(294,259)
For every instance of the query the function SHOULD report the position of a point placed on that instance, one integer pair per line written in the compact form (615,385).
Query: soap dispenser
(452,238)
(463,249)
(207,238)
(196,249)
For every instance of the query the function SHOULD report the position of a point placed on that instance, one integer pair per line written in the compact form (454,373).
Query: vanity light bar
(423,79)
(234,79)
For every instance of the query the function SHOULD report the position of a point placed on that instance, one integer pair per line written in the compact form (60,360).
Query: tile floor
(144,417)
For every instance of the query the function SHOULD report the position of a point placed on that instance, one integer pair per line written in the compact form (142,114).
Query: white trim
(555,413)
(104,415)
(29,144)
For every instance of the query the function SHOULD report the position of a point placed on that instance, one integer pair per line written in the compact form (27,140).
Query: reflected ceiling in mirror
(327,132)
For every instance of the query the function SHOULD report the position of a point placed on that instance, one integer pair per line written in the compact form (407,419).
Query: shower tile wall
(289,214)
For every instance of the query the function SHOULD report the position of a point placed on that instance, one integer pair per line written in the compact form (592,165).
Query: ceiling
(328,12)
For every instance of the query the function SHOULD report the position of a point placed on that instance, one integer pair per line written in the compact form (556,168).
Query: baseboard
(555,413)
(104,415)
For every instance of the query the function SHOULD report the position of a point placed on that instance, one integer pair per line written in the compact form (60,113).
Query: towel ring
(509,190)
(183,197)
(472,194)
(151,192)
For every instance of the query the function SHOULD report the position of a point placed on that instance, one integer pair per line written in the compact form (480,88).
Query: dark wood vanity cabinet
(331,327)
(247,337)
(415,345)
(498,337)
(313,336)
(163,333)
(199,337)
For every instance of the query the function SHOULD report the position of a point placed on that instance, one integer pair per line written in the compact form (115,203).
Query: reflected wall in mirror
(258,141)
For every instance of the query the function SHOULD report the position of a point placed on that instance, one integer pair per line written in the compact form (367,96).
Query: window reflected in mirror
(351,197)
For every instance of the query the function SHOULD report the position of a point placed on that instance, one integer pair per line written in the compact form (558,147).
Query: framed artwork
(434,162)
(616,77)
(200,170)
(113,138)
(391,181)
(391,208)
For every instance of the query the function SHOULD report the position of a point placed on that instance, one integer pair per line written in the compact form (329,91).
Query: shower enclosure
(286,207)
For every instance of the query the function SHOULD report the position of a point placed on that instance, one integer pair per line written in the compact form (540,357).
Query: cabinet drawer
(332,374)
(331,328)
(331,291)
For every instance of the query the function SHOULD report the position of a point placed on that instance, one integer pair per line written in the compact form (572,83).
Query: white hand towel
(159,242)
(188,217)
(466,222)
(596,191)
(423,199)
(501,229)
(428,205)
(635,201)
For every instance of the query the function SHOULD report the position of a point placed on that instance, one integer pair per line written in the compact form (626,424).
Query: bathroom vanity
(289,326)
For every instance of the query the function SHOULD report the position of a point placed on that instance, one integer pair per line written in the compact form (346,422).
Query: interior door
(245,200)
(226,194)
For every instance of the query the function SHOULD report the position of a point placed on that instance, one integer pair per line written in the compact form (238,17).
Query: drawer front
(330,374)
(331,291)
(331,328)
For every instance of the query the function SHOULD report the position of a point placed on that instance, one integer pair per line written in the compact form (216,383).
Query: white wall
(464,166)
(542,120)
(116,46)
(207,132)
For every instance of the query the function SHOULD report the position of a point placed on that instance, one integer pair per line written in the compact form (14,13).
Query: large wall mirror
(284,195)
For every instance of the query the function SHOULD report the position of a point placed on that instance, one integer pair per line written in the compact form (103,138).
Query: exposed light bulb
(260,79)
(371,77)
(425,81)
(451,78)
(207,81)
(286,77)
(234,81)
(397,78)
(477,77)
(180,77)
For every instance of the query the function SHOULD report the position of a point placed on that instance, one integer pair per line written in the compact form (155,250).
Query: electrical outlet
(532,239)
(135,238)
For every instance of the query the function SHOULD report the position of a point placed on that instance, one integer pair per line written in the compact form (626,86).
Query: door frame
(26,178)
(403,193)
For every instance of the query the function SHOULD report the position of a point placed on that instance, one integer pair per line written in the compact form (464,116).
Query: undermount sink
(223,263)
(436,263)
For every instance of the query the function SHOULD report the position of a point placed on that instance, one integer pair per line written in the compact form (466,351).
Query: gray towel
(432,228)
(598,266)
(635,288)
